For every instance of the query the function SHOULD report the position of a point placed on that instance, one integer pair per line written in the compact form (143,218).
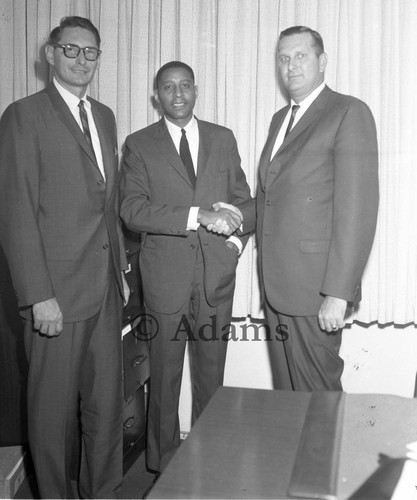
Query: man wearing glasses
(60,231)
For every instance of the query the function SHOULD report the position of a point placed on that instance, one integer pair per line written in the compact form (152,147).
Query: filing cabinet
(134,427)
(135,360)
(135,305)
(135,376)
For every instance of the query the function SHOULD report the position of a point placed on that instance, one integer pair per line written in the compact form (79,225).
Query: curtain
(231,46)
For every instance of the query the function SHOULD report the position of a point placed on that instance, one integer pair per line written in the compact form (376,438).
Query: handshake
(222,218)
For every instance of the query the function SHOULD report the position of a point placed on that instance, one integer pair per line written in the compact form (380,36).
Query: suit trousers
(199,326)
(78,374)
(303,357)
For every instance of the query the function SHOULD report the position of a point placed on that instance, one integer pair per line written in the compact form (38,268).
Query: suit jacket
(59,223)
(156,196)
(317,204)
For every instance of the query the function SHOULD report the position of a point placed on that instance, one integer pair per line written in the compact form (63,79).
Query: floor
(137,482)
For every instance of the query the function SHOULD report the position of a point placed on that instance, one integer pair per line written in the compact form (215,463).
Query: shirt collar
(70,99)
(175,129)
(305,103)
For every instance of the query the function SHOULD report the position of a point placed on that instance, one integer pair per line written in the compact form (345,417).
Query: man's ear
(322,62)
(49,52)
(155,102)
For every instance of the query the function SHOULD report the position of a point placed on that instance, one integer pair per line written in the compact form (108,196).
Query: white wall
(377,360)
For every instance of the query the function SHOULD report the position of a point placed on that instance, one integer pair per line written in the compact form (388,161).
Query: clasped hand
(220,219)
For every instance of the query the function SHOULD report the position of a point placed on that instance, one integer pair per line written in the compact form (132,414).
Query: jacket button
(100,182)
(105,246)
(268,203)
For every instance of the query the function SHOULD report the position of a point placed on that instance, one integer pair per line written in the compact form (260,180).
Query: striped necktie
(84,122)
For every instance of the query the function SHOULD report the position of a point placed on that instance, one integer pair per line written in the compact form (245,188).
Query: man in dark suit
(60,232)
(187,262)
(317,203)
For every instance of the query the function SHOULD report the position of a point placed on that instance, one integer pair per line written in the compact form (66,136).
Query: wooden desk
(245,443)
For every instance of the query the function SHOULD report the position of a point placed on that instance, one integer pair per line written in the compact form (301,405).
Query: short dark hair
(172,64)
(73,22)
(297,30)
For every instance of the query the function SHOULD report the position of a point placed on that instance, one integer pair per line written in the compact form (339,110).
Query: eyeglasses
(71,50)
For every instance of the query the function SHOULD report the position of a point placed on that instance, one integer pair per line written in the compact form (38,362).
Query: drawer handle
(129,423)
(138,361)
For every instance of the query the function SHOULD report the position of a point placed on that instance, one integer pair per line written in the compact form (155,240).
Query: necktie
(84,122)
(294,110)
(186,157)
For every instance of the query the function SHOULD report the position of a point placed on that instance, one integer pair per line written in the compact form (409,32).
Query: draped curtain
(231,46)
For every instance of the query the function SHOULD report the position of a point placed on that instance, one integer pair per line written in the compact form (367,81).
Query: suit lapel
(204,149)
(66,117)
(312,114)
(265,159)
(106,145)
(167,149)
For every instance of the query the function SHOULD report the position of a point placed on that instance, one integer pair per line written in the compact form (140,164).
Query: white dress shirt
(72,102)
(193,138)
(304,105)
